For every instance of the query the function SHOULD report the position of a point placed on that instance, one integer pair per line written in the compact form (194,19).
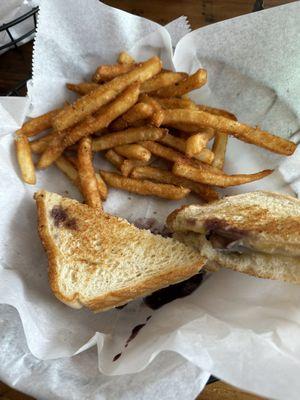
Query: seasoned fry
(205,192)
(219,149)
(102,188)
(206,155)
(68,168)
(173,141)
(92,101)
(37,124)
(184,86)
(135,151)
(172,155)
(25,159)
(144,187)
(106,73)
(196,143)
(127,112)
(162,151)
(125,58)
(82,88)
(185,129)
(216,111)
(163,79)
(139,111)
(158,118)
(241,131)
(87,178)
(151,101)
(72,159)
(114,158)
(38,146)
(92,124)
(131,135)
(210,178)
(53,150)
(128,165)
(174,102)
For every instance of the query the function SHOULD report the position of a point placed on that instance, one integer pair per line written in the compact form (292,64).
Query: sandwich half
(257,233)
(101,261)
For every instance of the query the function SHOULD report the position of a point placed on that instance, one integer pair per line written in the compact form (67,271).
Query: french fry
(92,101)
(72,159)
(205,192)
(83,87)
(243,132)
(87,178)
(114,158)
(131,135)
(144,98)
(173,141)
(37,124)
(163,79)
(144,187)
(216,111)
(162,151)
(210,178)
(157,118)
(219,149)
(196,143)
(206,155)
(185,129)
(25,159)
(102,188)
(174,102)
(135,151)
(68,168)
(38,146)
(184,86)
(139,111)
(175,156)
(92,124)
(127,166)
(106,73)
(125,58)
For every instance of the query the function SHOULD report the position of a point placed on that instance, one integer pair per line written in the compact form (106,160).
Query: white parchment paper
(10,10)
(242,329)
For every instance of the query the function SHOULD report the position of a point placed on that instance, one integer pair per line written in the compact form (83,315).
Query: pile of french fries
(138,114)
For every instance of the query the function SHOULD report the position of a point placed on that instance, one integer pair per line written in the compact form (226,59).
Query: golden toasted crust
(150,285)
(243,213)
(110,298)
(51,252)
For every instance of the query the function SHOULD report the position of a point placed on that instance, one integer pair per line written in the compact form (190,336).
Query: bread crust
(72,301)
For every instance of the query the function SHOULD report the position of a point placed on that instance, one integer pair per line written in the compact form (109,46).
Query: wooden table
(15,66)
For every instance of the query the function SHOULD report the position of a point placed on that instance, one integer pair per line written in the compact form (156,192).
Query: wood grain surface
(15,66)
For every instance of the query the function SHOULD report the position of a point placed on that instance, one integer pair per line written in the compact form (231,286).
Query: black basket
(14,43)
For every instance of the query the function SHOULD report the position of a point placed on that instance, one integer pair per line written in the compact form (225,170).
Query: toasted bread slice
(263,221)
(101,261)
(256,233)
